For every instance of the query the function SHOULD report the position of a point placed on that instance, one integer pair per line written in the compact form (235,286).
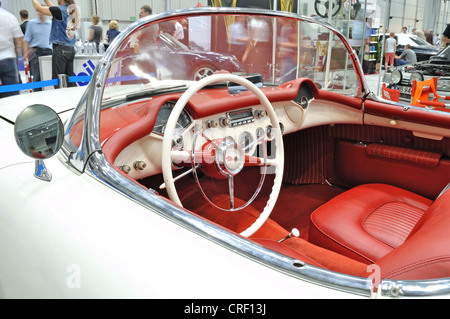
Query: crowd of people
(57,37)
(391,58)
(408,55)
(44,37)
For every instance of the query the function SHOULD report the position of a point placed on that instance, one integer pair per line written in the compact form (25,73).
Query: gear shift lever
(294,232)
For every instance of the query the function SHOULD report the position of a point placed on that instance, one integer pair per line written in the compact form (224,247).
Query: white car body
(39,260)
(89,230)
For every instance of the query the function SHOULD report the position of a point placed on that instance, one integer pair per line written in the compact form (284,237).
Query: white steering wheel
(228,159)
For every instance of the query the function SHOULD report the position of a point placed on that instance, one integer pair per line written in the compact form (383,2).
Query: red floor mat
(293,208)
(296,203)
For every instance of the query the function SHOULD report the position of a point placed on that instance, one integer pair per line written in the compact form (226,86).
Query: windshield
(150,58)
(279,49)
(443,54)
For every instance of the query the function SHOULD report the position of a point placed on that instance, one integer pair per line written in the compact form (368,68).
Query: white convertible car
(288,180)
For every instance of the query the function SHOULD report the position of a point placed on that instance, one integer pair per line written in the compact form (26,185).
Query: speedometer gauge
(163,116)
(245,141)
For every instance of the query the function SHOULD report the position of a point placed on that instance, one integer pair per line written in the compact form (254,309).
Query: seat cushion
(426,252)
(392,222)
(368,221)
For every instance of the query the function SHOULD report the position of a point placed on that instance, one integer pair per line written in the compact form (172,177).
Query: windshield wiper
(157,91)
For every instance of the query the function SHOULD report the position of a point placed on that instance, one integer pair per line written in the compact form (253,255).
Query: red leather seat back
(426,252)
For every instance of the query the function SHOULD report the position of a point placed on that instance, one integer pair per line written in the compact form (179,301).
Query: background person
(429,37)
(36,44)
(238,36)
(146,10)
(95,31)
(391,47)
(179,32)
(419,33)
(24,17)
(11,37)
(445,40)
(62,35)
(112,32)
(407,56)
(145,38)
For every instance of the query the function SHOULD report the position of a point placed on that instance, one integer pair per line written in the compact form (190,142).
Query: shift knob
(294,233)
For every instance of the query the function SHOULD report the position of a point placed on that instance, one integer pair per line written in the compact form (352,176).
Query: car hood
(61,100)
(421,48)
(431,68)
(438,61)
(427,48)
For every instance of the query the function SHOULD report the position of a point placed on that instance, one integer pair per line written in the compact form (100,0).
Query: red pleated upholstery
(426,252)
(389,136)
(406,235)
(347,224)
(429,159)
(392,222)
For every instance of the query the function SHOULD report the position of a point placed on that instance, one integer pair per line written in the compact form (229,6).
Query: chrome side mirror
(39,134)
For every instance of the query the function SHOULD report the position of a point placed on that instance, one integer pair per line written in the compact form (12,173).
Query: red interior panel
(429,159)
(353,165)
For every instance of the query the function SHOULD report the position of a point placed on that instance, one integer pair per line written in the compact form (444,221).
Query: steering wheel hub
(223,158)
(230,158)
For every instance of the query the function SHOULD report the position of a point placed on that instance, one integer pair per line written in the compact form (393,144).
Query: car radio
(240,117)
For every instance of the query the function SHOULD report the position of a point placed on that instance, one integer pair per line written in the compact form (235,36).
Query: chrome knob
(139,165)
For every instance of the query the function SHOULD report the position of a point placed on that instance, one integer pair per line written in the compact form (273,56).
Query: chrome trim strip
(101,169)
(415,288)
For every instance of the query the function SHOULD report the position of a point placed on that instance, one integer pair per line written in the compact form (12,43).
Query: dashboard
(240,117)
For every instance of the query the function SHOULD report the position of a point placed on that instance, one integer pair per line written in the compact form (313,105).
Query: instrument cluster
(249,127)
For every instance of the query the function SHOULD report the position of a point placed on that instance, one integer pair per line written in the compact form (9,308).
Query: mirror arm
(41,172)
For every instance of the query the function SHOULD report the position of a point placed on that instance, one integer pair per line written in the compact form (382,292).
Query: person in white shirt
(391,47)
(11,37)
(179,32)
(36,44)
(238,36)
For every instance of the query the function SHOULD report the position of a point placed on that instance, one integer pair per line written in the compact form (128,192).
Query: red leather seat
(426,252)
(368,221)
(406,235)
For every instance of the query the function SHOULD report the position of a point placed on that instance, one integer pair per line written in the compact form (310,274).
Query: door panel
(350,155)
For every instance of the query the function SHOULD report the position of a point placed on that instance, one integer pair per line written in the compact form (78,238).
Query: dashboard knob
(139,165)
(125,168)
(211,124)
(260,113)
(224,122)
